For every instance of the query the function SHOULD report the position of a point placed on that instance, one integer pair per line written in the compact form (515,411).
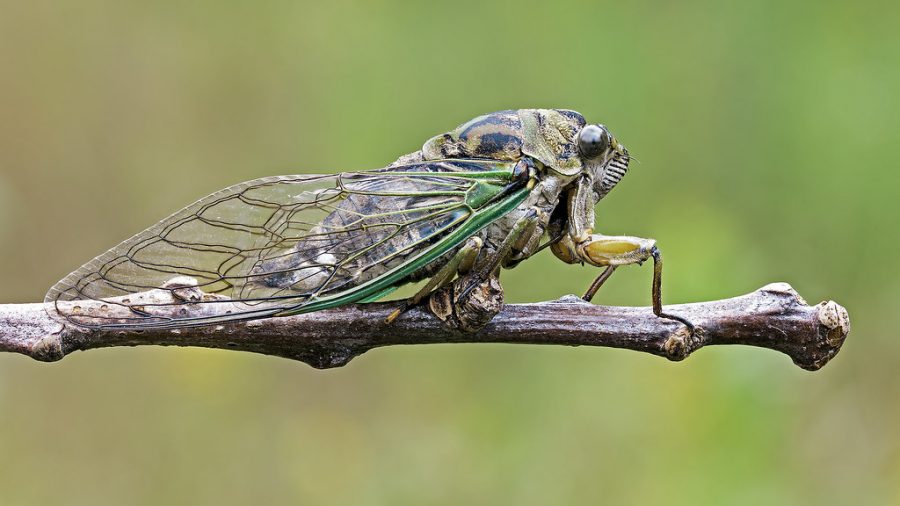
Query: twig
(773,317)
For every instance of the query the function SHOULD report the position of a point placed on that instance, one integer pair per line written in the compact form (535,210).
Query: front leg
(613,251)
(581,245)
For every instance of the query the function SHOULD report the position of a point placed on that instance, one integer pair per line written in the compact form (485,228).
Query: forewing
(276,244)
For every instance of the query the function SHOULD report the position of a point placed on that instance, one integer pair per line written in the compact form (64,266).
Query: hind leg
(461,263)
(471,301)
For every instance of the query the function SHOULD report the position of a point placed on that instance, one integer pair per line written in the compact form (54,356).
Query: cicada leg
(526,243)
(613,251)
(461,263)
(598,282)
(513,245)
(657,292)
(472,300)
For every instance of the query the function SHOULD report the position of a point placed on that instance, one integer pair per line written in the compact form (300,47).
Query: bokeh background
(768,136)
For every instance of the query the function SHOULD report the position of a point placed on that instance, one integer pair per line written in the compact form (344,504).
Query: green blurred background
(768,136)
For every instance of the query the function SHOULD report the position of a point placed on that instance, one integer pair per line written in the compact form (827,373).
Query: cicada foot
(656,294)
(471,311)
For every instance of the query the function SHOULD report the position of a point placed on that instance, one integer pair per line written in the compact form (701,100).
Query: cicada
(484,196)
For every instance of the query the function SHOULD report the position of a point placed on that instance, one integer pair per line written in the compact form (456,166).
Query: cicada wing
(276,244)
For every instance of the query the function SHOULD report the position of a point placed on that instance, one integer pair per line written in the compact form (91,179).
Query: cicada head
(559,139)
(605,159)
(566,144)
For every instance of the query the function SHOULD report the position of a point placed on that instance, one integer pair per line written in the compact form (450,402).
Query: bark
(773,317)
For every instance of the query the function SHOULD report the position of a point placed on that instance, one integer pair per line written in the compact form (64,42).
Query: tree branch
(773,317)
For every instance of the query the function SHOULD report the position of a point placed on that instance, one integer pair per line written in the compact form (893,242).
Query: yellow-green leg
(613,251)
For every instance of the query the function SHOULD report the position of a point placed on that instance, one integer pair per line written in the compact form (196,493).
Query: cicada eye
(593,141)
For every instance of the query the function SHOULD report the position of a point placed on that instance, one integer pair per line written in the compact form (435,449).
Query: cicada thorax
(496,136)
(546,135)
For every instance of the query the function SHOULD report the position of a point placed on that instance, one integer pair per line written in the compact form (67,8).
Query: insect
(484,196)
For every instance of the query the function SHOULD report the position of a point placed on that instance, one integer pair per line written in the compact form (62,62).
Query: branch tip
(679,344)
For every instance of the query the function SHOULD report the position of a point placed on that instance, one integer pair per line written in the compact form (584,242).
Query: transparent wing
(278,244)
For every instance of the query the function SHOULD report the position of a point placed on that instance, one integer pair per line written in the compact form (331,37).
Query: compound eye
(593,141)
